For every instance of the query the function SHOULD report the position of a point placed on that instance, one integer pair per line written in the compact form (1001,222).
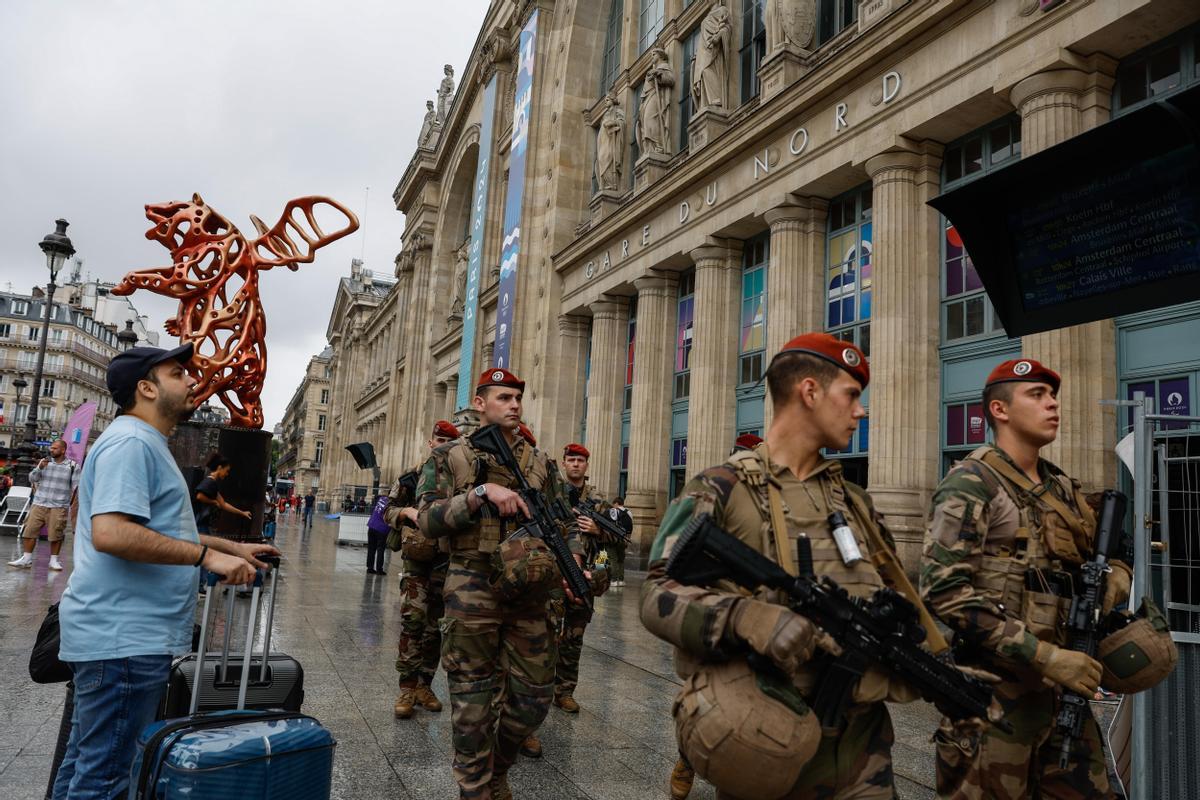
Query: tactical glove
(773,631)
(1069,669)
(1116,588)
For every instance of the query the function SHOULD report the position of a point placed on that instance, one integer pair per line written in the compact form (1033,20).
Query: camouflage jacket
(695,618)
(453,470)
(970,538)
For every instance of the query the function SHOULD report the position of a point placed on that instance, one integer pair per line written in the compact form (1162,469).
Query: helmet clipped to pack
(746,734)
(1140,655)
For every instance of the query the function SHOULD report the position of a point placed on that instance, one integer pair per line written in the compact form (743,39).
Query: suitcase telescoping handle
(211,579)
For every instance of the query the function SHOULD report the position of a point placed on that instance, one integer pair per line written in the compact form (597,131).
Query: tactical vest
(860,579)
(1034,578)
(469,469)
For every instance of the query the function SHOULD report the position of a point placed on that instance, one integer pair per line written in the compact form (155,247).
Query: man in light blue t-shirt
(129,605)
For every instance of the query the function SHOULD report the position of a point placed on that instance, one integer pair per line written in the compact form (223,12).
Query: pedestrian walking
(130,602)
(616,549)
(310,506)
(54,481)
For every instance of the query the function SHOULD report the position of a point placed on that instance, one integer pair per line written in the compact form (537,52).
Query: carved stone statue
(654,118)
(427,125)
(790,23)
(445,93)
(610,146)
(462,258)
(710,76)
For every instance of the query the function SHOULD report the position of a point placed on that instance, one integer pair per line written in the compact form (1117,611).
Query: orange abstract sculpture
(215,278)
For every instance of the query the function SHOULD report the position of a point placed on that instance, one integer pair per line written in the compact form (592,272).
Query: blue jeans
(115,700)
(308,516)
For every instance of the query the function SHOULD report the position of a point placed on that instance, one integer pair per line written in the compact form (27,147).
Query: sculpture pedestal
(249,454)
(648,169)
(706,126)
(780,70)
(604,203)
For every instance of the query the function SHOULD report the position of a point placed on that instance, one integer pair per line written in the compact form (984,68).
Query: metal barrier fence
(1166,509)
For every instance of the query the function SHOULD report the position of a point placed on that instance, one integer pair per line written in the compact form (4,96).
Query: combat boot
(532,746)
(427,699)
(405,702)
(681,780)
(566,703)
(499,787)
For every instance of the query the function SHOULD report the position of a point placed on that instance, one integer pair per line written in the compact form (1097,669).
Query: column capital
(1055,81)
(714,254)
(663,284)
(575,325)
(608,309)
(905,164)
(794,213)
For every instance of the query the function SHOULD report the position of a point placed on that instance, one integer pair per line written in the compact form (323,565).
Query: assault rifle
(1085,627)
(541,523)
(607,525)
(883,629)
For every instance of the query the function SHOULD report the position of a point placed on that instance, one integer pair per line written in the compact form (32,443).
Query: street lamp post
(57,248)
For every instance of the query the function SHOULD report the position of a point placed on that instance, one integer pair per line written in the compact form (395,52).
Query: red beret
(1023,370)
(445,429)
(576,450)
(498,376)
(523,429)
(747,441)
(833,350)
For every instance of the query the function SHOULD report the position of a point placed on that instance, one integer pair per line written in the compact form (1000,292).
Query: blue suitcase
(263,755)
(254,754)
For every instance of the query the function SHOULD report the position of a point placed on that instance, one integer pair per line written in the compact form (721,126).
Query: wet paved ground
(342,625)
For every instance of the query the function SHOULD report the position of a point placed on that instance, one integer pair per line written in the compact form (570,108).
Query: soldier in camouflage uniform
(816,383)
(491,648)
(1006,534)
(421,588)
(575,620)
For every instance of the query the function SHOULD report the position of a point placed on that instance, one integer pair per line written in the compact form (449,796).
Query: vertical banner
(466,353)
(515,196)
(78,430)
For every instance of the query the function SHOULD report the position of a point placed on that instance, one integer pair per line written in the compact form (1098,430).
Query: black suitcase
(280,685)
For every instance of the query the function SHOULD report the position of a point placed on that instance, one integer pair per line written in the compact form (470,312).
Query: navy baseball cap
(126,369)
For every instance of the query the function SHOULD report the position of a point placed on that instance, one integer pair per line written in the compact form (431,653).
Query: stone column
(440,394)
(905,321)
(712,408)
(451,397)
(650,417)
(795,276)
(1085,355)
(606,386)
(561,419)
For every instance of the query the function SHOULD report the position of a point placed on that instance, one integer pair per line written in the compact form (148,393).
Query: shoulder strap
(1004,469)
(753,464)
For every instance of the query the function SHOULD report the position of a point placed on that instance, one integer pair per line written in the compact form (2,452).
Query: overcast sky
(107,105)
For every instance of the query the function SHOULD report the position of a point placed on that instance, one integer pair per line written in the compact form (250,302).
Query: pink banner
(78,430)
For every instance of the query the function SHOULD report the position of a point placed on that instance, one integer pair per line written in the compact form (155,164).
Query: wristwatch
(481,491)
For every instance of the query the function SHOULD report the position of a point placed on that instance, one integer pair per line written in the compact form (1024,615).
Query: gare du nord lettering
(763,163)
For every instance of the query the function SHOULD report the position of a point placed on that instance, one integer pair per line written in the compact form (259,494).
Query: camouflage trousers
(499,662)
(976,760)
(420,612)
(854,764)
(570,626)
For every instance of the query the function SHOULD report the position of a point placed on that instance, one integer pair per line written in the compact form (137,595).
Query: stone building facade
(305,425)
(363,341)
(776,183)
(78,349)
